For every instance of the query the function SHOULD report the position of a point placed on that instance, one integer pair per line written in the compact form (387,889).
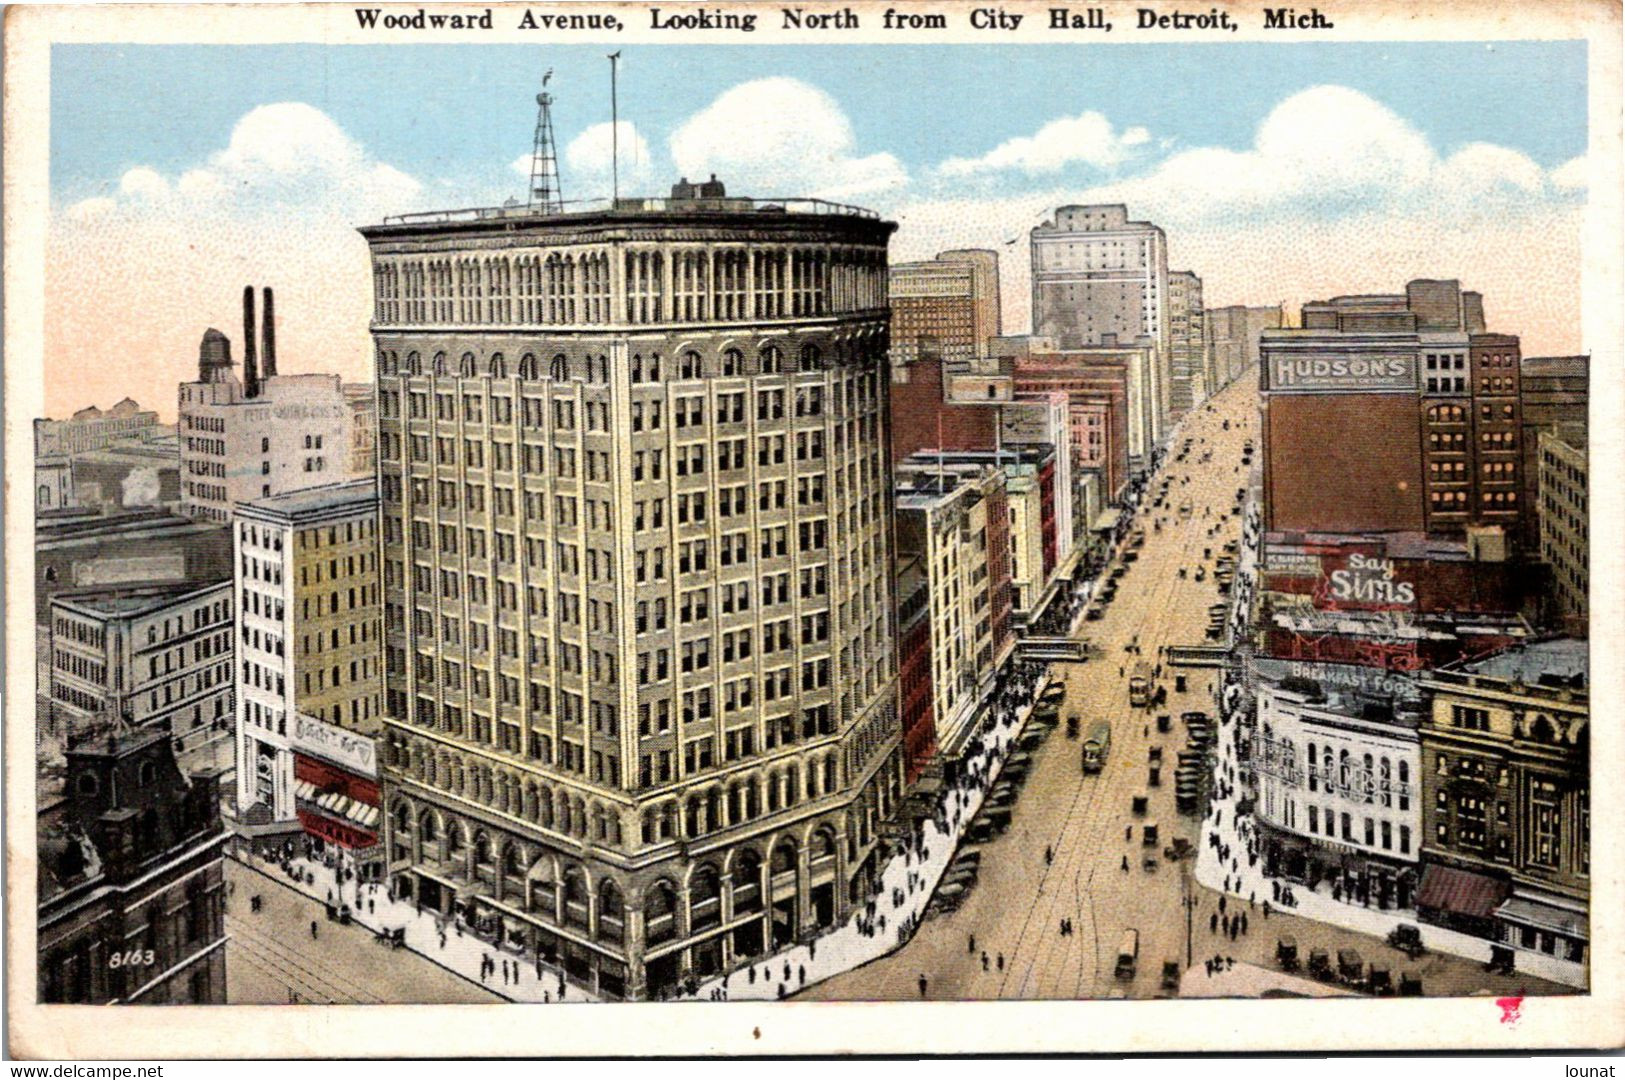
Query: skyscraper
(638,579)
(1101,279)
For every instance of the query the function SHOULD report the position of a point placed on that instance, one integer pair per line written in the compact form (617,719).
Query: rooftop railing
(520,211)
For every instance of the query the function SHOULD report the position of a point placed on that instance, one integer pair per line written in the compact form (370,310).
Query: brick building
(1554,390)
(1393,414)
(131,903)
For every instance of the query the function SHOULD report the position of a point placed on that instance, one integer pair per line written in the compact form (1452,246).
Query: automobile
(1286,952)
(1139,803)
(1072,723)
(1179,685)
(1055,691)
(1128,955)
(1409,985)
(1179,849)
(1153,776)
(1215,631)
(950,895)
(1320,964)
(1407,938)
(981,831)
(1163,723)
(1350,967)
(1156,753)
(1093,613)
(1148,834)
(967,858)
(965,875)
(1379,981)
(1201,573)
(1170,974)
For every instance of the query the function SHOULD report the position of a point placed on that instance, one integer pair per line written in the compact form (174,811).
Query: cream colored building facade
(638,578)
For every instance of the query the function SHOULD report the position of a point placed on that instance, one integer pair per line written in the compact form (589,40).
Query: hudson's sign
(1342,373)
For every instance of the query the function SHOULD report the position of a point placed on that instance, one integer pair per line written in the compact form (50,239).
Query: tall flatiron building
(638,576)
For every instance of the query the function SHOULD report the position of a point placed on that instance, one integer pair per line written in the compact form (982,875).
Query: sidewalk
(461,953)
(914,874)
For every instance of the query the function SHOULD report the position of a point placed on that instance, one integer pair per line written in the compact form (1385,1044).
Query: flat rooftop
(135,599)
(312,500)
(1567,659)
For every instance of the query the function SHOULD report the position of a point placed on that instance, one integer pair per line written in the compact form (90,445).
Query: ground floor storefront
(627,931)
(1352,876)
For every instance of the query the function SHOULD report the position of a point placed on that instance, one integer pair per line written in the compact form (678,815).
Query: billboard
(1340,373)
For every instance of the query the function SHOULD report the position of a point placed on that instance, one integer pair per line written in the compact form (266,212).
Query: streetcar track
(273,950)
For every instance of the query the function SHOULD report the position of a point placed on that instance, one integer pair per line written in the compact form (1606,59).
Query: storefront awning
(1461,891)
(1525,911)
(1107,521)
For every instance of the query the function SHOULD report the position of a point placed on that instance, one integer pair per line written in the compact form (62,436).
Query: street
(1014,912)
(271,958)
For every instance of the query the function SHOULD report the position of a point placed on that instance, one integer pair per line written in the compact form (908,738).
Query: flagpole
(614,128)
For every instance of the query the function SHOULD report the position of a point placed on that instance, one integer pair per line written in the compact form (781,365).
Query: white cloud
(162,256)
(1326,152)
(1337,194)
(288,156)
(1572,175)
(780,137)
(1088,138)
(585,169)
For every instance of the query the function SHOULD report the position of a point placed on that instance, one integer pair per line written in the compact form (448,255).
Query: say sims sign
(1366,583)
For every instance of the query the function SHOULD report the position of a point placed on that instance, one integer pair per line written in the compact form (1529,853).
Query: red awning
(1461,891)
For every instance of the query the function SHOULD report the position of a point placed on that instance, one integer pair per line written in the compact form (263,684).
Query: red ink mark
(1509,1007)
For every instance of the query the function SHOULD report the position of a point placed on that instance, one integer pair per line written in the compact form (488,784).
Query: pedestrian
(1125,863)
(1213,923)
(1049,855)
(1266,910)
(802,971)
(372,906)
(970,945)
(984,959)
(1243,922)
(1221,905)
(313,928)
(922,984)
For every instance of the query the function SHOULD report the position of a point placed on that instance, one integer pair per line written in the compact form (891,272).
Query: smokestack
(251,370)
(270,335)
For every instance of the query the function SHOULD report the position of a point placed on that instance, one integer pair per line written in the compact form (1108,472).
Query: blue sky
(440,110)
(1280,172)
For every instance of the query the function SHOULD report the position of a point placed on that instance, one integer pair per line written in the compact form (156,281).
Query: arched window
(733,362)
(560,369)
(387,362)
(690,366)
(440,364)
(704,899)
(499,366)
(611,912)
(810,358)
(660,913)
(465,369)
(414,363)
(529,367)
(772,360)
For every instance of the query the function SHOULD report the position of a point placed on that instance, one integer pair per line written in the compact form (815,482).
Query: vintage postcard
(836,514)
